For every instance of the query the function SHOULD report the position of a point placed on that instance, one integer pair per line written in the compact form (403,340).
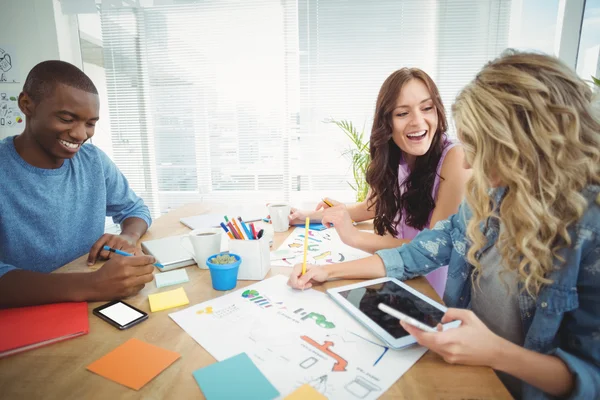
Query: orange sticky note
(134,363)
(305,392)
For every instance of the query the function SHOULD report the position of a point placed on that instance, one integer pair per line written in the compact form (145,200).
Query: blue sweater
(49,217)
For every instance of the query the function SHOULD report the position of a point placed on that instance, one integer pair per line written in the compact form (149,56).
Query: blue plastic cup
(224,277)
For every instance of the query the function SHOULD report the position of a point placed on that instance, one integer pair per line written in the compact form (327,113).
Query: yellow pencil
(305,244)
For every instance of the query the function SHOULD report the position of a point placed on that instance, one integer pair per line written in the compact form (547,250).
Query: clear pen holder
(255,255)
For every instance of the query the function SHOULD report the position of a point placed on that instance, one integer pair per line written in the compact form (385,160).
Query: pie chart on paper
(249,294)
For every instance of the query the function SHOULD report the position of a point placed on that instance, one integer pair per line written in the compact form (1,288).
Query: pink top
(437,278)
(404,231)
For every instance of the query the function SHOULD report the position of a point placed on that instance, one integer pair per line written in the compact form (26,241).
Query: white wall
(30,28)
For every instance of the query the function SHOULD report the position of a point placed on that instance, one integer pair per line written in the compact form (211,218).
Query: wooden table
(59,370)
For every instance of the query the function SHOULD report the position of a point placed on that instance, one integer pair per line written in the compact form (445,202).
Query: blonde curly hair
(526,123)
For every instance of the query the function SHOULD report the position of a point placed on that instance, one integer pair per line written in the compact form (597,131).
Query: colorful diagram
(322,255)
(256,298)
(340,362)
(320,319)
(207,310)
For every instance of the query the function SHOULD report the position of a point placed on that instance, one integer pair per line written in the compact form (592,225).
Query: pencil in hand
(307,223)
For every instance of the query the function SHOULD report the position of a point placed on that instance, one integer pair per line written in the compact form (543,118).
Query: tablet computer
(361,300)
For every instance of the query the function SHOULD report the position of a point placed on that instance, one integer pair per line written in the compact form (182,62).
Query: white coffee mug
(205,243)
(280,213)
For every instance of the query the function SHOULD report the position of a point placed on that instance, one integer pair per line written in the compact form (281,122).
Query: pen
(125,254)
(253,231)
(227,231)
(260,233)
(405,318)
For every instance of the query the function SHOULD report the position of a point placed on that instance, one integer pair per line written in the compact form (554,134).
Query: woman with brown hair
(416,175)
(524,249)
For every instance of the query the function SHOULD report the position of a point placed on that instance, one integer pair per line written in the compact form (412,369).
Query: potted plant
(359,157)
(224,270)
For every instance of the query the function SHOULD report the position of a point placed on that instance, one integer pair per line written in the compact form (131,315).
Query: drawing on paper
(10,114)
(312,341)
(360,387)
(324,247)
(319,319)
(8,69)
(340,363)
(309,362)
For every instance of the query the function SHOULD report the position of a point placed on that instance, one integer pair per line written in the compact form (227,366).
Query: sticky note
(171,278)
(170,299)
(134,363)
(305,392)
(234,378)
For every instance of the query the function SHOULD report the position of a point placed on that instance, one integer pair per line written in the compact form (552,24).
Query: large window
(226,100)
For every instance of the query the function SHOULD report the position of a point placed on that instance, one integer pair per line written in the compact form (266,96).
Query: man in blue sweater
(55,193)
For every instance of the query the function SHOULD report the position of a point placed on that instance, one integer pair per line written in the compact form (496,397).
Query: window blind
(227,100)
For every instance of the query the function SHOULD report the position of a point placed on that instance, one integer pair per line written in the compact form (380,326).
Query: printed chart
(297,337)
(324,247)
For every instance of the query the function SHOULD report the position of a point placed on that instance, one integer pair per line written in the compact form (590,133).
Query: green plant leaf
(596,81)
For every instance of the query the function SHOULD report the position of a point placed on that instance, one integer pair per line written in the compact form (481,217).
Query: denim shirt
(563,320)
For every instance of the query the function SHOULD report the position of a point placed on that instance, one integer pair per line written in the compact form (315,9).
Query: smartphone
(120,314)
(405,318)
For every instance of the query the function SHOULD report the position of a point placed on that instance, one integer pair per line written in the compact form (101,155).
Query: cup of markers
(224,269)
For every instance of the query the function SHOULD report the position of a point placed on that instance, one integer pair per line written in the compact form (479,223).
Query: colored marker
(253,231)
(227,230)
(233,231)
(238,228)
(245,228)
(125,254)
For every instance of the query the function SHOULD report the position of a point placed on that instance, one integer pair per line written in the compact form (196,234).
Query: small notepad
(170,299)
(134,363)
(234,378)
(171,278)
(305,392)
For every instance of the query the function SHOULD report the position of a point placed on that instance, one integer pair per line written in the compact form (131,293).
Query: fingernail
(90,263)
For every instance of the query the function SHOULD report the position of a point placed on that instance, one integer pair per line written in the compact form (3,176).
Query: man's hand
(118,242)
(122,277)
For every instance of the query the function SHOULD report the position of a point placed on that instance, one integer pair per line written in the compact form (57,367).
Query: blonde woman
(524,251)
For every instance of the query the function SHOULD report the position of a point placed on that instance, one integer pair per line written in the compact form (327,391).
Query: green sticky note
(234,378)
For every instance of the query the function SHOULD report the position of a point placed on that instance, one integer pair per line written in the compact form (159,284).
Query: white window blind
(225,100)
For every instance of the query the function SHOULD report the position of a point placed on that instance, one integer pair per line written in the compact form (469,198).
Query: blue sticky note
(315,226)
(234,378)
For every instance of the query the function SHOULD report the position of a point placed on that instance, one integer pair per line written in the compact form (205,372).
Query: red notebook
(27,328)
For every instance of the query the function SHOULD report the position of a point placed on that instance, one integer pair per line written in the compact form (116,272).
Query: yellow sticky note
(305,392)
(170,299)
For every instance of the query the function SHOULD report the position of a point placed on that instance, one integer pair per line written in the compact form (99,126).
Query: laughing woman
(416,175)
(524,251)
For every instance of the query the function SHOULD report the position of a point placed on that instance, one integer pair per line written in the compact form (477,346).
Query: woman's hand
(342,222)
(324,206)
(314,274)
(298,217)
(472,343)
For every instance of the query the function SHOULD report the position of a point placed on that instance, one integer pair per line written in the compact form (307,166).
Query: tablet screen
(367,298)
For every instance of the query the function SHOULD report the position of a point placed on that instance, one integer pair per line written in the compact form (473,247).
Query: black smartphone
(120,314)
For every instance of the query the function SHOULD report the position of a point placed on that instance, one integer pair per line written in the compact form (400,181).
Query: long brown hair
(382,175)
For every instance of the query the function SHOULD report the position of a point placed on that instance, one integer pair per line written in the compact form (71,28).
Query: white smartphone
(405,318)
